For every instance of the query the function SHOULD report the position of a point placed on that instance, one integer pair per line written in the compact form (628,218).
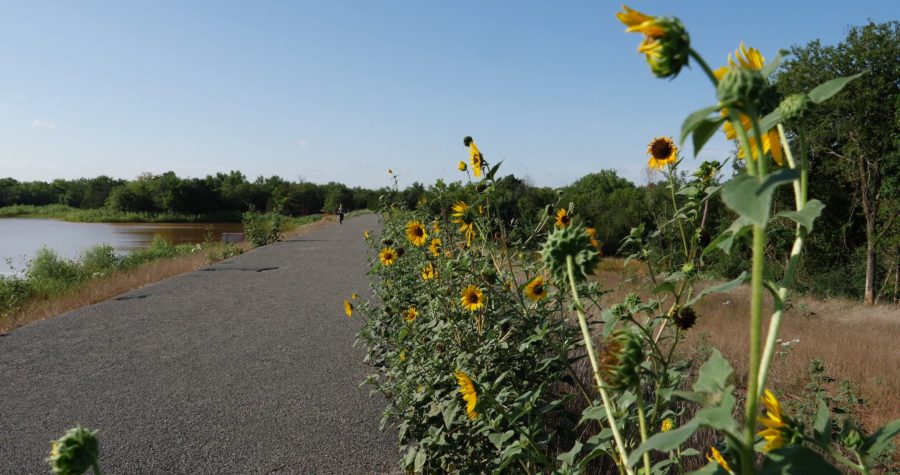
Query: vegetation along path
(243,367)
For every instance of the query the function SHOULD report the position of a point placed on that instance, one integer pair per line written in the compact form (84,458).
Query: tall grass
(102,215)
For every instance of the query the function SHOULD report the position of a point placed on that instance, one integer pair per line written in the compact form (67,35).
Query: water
(20,238)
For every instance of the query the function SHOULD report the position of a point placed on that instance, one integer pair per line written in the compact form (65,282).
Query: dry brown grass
(104,288)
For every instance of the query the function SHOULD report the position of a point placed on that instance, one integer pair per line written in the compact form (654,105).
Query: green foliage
(260,229)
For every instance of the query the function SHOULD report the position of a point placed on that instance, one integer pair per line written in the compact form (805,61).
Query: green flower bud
(671,51)
(550,211)
(480,187)
(688,269)
(851,437)
(740,85)
(570,241)
(621,359)
(632,300)
(75,452)
(795,108)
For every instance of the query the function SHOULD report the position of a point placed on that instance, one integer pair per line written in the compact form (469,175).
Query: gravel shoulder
(246,366)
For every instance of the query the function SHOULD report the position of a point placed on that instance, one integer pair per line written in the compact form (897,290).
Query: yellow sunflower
(662,152)
(536,289)
(472,298)
(715,456)
(428,272)
(354,296)
(750,58)
(410,314)
(592,232)
(667,425)
(348,308)
(388,256)
(415,232)
(774,433)
(435,228)
(461,166)
(666,44)
(476,159)
(463,217)
(435,247)
(469,394)
(563,218)
(366,234)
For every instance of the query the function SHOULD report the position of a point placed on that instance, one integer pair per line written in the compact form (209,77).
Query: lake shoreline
(101,215)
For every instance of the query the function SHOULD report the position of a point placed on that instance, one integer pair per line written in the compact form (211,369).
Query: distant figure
(341,213)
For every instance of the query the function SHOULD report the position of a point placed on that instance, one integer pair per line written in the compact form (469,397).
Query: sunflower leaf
(826,90)
(770,68)
(664,441)
(703,132)
(805,217)
(880,439)
(822,424)
(796,460)
(752,199)
(726,240)
(768,122)
(693,120)
(720,288)
(493,171)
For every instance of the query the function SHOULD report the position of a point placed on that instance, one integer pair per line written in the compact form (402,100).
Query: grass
(52,286)
(101,215)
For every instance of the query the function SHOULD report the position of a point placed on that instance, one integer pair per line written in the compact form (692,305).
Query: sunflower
(715,456)
(666,44)
(536,289)
(667,425)
(775,423)
(463,217)
(461,166)
(592,232)
(388,256)
(435,247)
(428,272)
(366,234)
(472,298)
(354,296)
(410,314)
(469,394)
(475,158)
(750,58)
(415,232)
(435,228)
(348,308)
(563,218)
(662,152)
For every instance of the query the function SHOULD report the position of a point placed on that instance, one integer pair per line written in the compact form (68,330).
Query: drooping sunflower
(536,289)
(354,296)
(592,232)
(388,256)
(472,298)
(410,314)
(750,58)
(662,151)
(715,456)
(428,272)
(348,308)
(366,234)
(475,157)
(435,247)
(461,166)
(462,216)
(776,427)
(469,393)
(415,232)
(563,218)
(666,44)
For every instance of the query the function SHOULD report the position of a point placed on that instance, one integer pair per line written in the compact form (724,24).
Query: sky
(343,90)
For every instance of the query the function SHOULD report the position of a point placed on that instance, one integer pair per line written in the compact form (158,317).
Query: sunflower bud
(387,242)
(570,241)
(489,275)
(621,360)
(632,300)
(668,54)
(688,269)
(740,85)
(795,108)
(400,251)
(480,187)
(550,211)
(75,452)
(851,437)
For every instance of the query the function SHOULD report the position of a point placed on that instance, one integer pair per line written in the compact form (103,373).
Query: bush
(260,229)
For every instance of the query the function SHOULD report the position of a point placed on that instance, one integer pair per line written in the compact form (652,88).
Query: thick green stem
(706,69)
(643,423)
(595,365)
(756,297)
(675,212)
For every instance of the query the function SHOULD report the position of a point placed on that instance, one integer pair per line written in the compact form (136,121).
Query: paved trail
(244,367)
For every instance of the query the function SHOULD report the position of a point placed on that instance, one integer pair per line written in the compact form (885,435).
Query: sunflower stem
(642,419)
(709,72)
(671,173)
(595,365)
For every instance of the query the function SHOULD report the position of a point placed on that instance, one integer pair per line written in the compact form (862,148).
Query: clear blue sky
(341,90)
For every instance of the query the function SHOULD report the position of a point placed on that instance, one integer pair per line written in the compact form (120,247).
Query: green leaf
(768,122)
(689,452)
(796,460)
(807,216)
(770,67)
(498,438)
(752,199)
(714,374)
(493,171)
(420,461)
(711,468)
(824,91)
(593,413)
(725,241)
(568,458)
(720,288)
(703,132)
(694,119)
(664,441)
(877,441)
(664,287)
(822,424)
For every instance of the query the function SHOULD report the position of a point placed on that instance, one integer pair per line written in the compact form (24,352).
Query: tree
(854,136)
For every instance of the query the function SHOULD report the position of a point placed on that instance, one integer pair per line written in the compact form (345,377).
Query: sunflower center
(661,149)
(418,232)
(472,298)
(538,289)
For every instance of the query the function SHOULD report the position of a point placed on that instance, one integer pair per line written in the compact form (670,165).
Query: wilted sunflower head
(565,242)
(536,289)
(472,298)
(415,232)
(388,256)
(666,42)
(428,272)
(563,218)
(475,157)
(621,359)
(468,392)
(662,151)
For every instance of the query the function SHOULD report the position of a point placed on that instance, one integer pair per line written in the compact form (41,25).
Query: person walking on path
(341,213)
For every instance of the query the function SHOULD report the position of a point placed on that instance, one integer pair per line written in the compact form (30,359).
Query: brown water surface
(20,238)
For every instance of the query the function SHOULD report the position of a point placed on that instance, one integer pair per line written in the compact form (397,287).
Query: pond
(20,238)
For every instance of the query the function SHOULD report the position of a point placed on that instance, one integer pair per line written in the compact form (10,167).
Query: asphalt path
(244,367)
